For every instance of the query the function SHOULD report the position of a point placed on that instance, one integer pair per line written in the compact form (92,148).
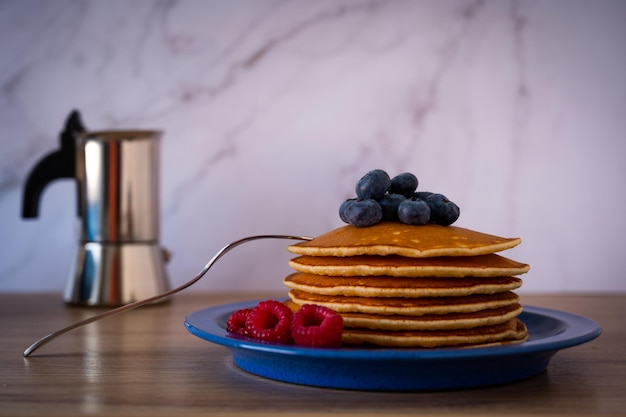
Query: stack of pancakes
(412,286)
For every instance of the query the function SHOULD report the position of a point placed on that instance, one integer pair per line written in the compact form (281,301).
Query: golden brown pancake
(490,265)
(386,286)
(395,238)
(432,321)
(406,306)
(448,321)
(397,285)
(512,331)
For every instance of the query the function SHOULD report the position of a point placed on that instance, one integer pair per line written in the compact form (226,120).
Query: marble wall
(271,110)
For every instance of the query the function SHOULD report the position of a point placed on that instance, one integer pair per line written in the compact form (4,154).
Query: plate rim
(579,330)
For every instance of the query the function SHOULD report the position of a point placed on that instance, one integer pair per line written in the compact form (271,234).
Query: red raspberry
(236,323)
(316,326)
(270,321)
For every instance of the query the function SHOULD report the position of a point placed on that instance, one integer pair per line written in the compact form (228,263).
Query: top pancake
(395,238)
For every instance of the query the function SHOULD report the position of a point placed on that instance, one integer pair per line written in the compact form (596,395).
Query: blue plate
(386,369)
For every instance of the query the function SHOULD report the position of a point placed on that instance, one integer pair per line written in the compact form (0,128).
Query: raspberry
(236,323)
(316,326)
(270,321)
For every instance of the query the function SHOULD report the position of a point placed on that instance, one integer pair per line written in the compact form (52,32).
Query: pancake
(406,306)
(448,321)
(386,286)
(512,331)
(398,285)
(490,265)
(395,238)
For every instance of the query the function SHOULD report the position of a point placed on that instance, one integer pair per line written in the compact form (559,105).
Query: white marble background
(273,109)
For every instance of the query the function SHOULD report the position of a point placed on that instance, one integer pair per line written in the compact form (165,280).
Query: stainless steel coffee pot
(119,259)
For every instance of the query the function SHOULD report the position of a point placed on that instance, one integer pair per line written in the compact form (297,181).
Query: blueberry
(390,203)
(373,185)
(442,210)
(343,207)
(404,184)
(422,195)
(363,213)
(414,212)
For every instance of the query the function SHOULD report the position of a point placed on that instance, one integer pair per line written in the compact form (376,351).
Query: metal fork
(39,343)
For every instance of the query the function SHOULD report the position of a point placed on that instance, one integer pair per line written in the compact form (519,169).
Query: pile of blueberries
(380,197)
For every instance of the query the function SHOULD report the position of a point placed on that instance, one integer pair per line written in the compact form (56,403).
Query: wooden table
(144,362)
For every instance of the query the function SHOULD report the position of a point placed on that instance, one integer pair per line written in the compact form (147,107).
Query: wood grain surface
(145,363)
